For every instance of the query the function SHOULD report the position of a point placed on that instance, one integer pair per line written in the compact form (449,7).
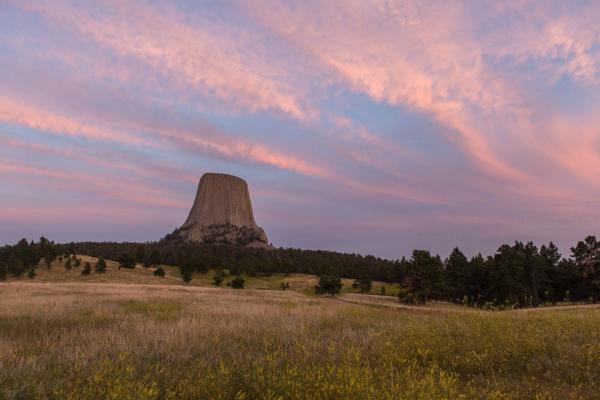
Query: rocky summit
(222,214)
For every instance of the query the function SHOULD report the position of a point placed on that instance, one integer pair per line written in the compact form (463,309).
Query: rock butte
(222,214)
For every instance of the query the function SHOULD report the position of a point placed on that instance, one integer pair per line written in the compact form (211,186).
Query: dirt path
(393,303)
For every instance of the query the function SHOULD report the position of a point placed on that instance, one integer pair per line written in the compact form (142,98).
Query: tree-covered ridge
(517,275)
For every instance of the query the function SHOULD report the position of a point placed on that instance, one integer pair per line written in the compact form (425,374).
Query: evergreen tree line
(517,275)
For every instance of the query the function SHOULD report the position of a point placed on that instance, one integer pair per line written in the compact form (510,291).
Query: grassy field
(298,282)
(113,336)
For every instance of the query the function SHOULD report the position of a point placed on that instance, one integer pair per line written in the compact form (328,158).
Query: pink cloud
(73,212)
(161,51)
(416,61)
(556,39)
(434,58)
(15,112)
(406,54)
(478,73)
(95,184)
(213,141)
(116,160)
(571,144)
(205,56)
(208,139)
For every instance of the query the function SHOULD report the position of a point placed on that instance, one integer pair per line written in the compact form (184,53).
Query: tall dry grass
(80,341)
(302,283)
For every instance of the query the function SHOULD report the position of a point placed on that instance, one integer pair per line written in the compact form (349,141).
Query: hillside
(303,283)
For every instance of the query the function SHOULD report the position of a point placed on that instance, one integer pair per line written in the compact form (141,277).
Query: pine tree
(187,270)
(140,253)
(424,278)
(155,259)
(169,258)
(15,266)
(457,274)
(555,287)
(3,270)
(25,253)
(329,284)
(159,272)
(535,270)
(365,283)
(550,254)
(68,264)
(87,269)
(219,277)
(126,261)
(49,256)
(587,258)
(100,266)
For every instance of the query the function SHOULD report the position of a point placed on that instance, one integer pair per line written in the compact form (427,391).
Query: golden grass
(133,341)
(298,282)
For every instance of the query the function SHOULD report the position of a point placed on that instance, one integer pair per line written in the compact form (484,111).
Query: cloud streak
(17,113)
(387,116)
(207,56)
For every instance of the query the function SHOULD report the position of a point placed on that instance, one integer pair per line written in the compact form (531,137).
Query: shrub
(100,266)
(414,297)
(364,283)
(187,271)
(329,285)
(237,283)
(126,261)
(87,269)
(31,273)
(218,277)
(159,272)
(77,263)
(68,264)
(284,285)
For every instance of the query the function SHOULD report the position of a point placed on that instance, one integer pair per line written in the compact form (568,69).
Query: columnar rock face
(222,214)
(221,199)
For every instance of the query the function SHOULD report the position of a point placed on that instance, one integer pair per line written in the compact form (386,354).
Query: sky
(360,126)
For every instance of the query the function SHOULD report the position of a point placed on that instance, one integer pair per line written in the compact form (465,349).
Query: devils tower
(222,214)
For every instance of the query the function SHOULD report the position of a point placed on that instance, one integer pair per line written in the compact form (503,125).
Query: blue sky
(372,127)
